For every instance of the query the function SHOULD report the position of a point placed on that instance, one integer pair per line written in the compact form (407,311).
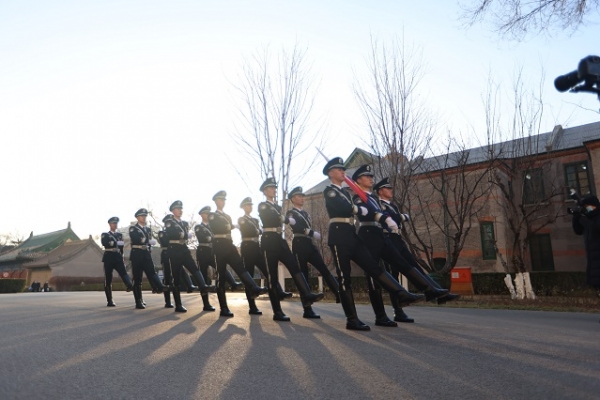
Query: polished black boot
(448,297)
(223,303)
(424,283)
(387,282)
(352,321)
(177,298)
(399,314)
(282,293)
(157,284)
(309,313)
(190,287)
(137,295)
(207,306)
(278,314)
(235,285)
(251,287)
(307,297)
(381,318)
(108,293)
(204,288)
(252,304)
(127,281)
(333,285)
(167,295)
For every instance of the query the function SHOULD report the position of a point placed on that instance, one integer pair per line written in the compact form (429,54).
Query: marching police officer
(305,249)
(178,232)
(163,240)
(276,249)
(385,193)
(346,246)
(227,254)
(113,259)
(370,231)
(141,258)
(204,253)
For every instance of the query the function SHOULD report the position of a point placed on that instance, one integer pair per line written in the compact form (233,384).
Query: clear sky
(109,106)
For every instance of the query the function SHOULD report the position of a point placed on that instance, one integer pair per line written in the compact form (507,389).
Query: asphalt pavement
(71,346)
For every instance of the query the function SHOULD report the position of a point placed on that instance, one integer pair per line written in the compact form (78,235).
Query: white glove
(363,210)
(291,221)
(190,235)
(236,226)
(405,217)
(120,243)
(391,224)
(152,242)
(317,235)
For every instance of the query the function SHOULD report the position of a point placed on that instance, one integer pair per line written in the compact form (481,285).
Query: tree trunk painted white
(320,283)
(511,288)
(529,293)
(520,285)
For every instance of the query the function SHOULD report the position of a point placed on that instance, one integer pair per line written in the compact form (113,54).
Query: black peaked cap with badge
(246,201)
(384,183)
(167,217)
(142,212)
(176,204)
(363,170)
(205,209)
(113,220)
(269,182)
(336,162)
(295,191)
(221,194)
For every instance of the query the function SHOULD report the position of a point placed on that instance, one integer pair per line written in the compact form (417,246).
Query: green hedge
(12,285)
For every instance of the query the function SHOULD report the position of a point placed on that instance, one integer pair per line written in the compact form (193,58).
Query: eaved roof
(64,253)
(38,245)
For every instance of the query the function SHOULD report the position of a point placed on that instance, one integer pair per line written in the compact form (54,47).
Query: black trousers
(180,257)
(253,257)
(205,258)
(141,263)
(114,263)
(227,254)
(307,253)
(283,255)
(360,254)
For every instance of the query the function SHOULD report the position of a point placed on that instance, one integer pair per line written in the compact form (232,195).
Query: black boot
(235,285)
(282,293)
(309,313)
(225,312)
(306,295)
(387,282)
(251,287)
(177,298)
(108,293)
(424,283)
(157,284)
(137,295)
(207,306)
(399,314)
(448,297)
(127,281)
(204,288)
(278,314)
(168,303)
(252,304)
(381,318)
(333,285)
(188,282)
(352,321)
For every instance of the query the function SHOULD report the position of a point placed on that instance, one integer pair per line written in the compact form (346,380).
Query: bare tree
(517,18)
(274,128)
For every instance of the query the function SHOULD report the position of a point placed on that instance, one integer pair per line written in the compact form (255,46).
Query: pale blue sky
(109,106)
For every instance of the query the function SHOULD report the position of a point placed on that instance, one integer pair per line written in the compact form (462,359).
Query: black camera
(574,210)
(585,79)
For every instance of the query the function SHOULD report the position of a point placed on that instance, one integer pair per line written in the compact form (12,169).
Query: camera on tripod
(585,79)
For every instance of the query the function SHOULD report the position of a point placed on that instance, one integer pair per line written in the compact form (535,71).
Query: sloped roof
(34,245)
(63,253)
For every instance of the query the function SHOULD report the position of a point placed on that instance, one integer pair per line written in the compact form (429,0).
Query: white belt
(300,235)
(112,250)
(278,230)
(177,241)
(370,223)
(250,239)
(205,244)
(139,247)
(224,236)
(342,220)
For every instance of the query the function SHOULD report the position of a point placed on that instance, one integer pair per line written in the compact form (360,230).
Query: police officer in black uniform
(384,191)
(141,259)
(163,240)
(113,259)
(178,232)
(305,249)
(371,227)
(204,252)
(276,249)
(346,246)
(227,254)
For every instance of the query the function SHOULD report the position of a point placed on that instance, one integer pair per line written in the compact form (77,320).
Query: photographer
(586,222)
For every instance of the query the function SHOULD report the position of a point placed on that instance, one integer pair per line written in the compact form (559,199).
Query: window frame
(484,255)
(587,172)
(533,197)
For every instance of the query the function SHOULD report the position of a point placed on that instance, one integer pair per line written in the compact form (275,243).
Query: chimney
(554,137)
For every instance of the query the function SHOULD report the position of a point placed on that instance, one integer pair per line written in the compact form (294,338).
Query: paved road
(70,346)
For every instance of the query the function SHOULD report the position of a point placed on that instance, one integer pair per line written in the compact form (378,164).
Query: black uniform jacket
(109,241)
(271,216)
(338,203)
(590,229)
(302,230)
(220,224)
(140,236)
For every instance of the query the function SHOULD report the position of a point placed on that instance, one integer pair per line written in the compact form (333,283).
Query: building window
(533,186)
(542,258)
(577,177)
(488,241)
